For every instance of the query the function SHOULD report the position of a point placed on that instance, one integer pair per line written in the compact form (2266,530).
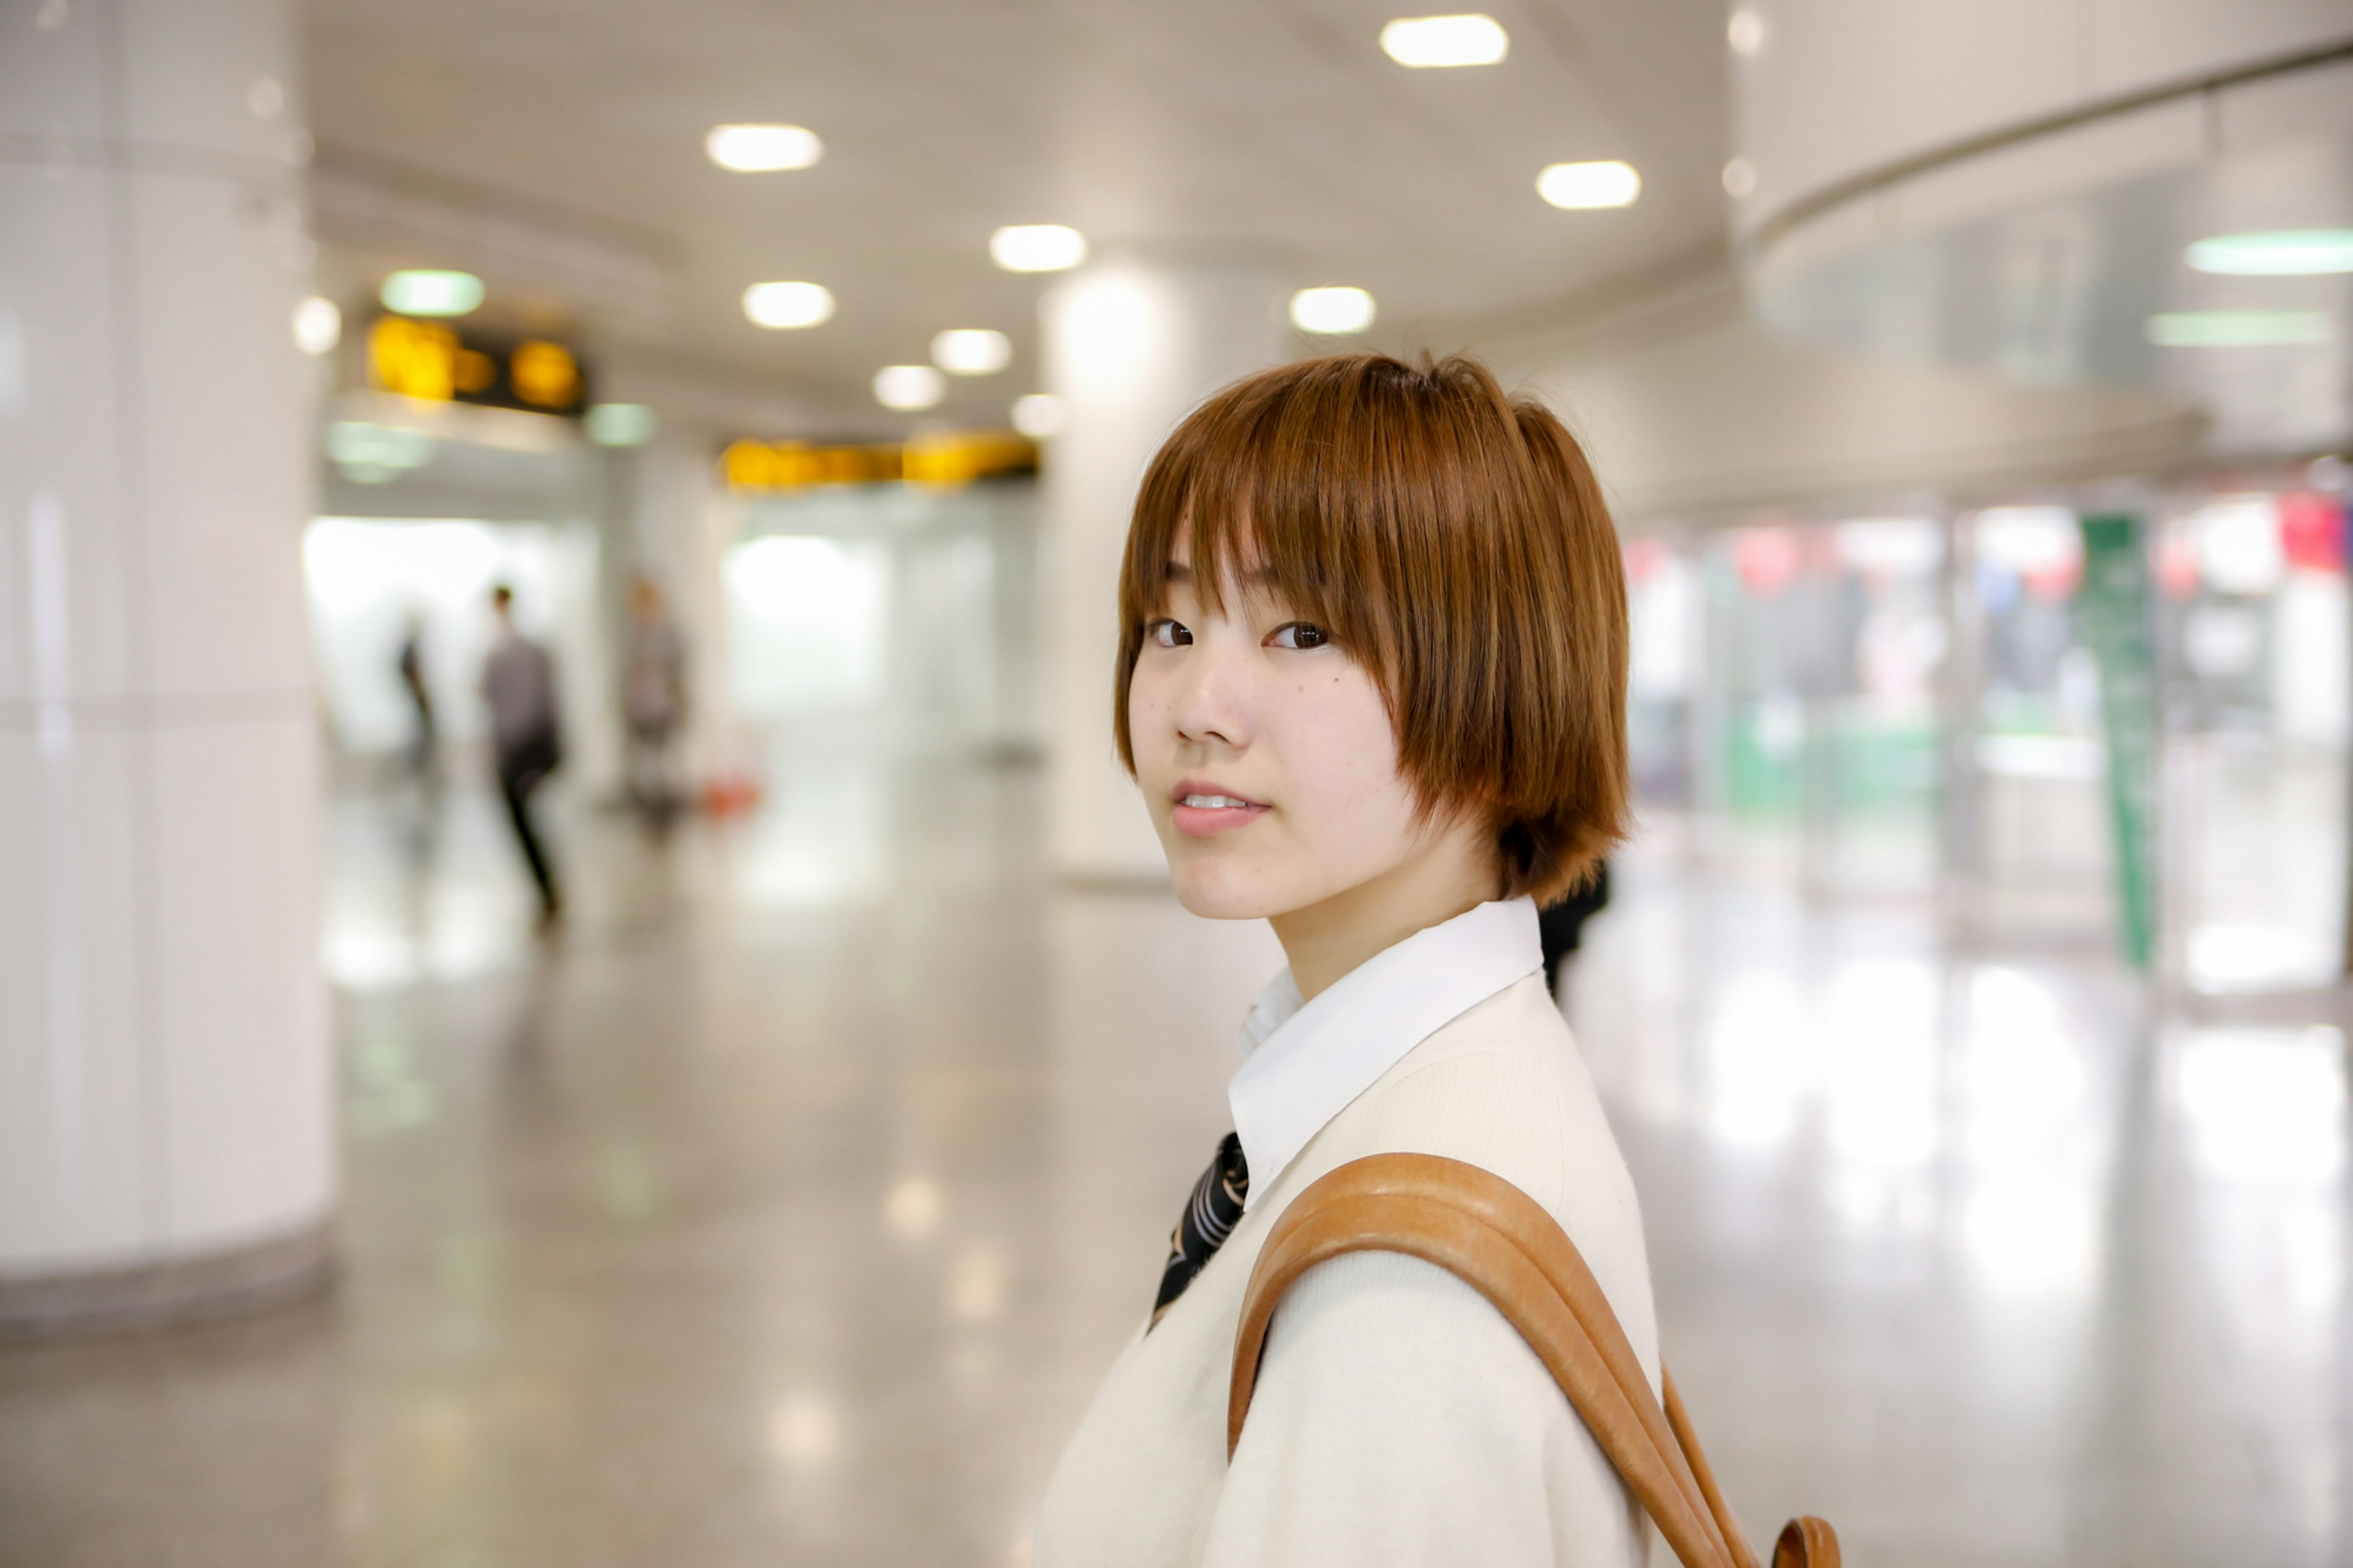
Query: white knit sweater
(1397,1419)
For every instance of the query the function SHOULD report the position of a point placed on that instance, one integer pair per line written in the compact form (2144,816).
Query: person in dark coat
(526,741)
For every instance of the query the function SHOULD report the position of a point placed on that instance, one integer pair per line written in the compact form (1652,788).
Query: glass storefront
(1908,704)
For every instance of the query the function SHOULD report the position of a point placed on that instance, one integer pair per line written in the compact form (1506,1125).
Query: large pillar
(1129,347)
(165,1094)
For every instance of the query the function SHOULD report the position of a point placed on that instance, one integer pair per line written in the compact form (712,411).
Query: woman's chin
(1214,893)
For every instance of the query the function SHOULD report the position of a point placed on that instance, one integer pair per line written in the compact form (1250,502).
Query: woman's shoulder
(1503,1086)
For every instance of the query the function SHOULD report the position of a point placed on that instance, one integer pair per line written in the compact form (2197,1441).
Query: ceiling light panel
(1332,312)
(431,293)
(1038,248)
(1424,42)
(1580,186)
(762,149)
(2279,253)
(620,424)
(909,388)
(2236,329)
(972,350)
(788,304)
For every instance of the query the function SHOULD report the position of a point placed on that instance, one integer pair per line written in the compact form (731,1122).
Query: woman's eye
(1166,633)
(1299,634)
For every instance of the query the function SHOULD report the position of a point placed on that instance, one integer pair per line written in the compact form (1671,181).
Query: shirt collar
(1306,1062)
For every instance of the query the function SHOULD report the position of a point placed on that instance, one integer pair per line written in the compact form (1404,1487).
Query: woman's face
(1265,753)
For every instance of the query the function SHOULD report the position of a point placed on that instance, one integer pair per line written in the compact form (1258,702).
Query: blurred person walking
(653,701)
(424,742)
(519,684)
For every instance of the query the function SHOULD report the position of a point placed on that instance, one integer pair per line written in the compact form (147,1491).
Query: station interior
(1972,389)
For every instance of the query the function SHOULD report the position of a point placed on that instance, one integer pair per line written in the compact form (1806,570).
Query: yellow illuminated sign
(428,360)
(545,373)
(415,358)
(940,457)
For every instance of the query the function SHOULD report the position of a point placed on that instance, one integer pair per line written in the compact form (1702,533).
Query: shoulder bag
(1475,1224)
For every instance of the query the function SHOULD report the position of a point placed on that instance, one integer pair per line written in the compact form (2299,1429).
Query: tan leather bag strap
(1479,1227)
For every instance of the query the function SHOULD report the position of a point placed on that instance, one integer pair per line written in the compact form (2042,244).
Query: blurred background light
(620,424)
(788,304)
(2279,253)
(431,293)
(369,454)
(2029,540)
(972,350)
(913,1208)
(1039,415)
(1331,311)
(804,1430)
(1744,30)
(317,325)
(1037,248)
(1607,184)
(1740,179)
(2236,329)
(909,387)
(1466,41)
(761,149)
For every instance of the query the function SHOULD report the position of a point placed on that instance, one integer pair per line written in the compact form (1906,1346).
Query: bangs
(1295,489)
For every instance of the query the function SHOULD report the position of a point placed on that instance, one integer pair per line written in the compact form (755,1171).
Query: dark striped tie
(1209,1217)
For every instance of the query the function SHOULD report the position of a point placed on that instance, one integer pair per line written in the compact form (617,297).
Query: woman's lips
(1200,811)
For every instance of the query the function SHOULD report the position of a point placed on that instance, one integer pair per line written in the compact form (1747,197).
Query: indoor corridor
(788,1207)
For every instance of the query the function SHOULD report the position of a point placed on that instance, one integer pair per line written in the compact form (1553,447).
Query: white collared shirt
(1304,1062)
(1399,1421)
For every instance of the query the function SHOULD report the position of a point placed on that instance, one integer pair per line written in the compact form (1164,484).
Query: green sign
(2113,612)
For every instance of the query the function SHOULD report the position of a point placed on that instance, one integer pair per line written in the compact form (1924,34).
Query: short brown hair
(1453,540)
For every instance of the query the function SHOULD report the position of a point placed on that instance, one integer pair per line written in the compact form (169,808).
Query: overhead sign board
(435,363)
(934,457)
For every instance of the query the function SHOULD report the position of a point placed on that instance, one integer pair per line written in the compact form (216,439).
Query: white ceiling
(556,145)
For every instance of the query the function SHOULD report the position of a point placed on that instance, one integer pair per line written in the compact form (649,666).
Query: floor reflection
(787,1205)
(1974,1255)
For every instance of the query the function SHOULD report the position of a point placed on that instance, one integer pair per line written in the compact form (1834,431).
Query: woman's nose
(1211,702)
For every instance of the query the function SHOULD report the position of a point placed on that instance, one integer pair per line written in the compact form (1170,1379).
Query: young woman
(1372,678)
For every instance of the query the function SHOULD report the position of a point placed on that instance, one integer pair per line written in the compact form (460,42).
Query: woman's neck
(1455,872)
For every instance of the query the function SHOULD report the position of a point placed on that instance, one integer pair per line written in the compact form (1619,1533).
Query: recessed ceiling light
(909,387)
(317,325)
(1038,248)
(1425,41)
(1740,179)
(1744,30)
(788,304)
(1331,312)
(620,424)
(972,350)
(2236,329)
(1039,415)
(428,293)
(761,149)
(1609,184)
(2280,253)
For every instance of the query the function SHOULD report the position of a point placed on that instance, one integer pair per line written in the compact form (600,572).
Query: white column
(1130,346)
(165,1090)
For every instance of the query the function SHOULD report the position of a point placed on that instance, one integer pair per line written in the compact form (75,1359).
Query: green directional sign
(2113,613)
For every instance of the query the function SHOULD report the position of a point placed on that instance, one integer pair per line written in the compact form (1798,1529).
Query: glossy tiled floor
(786,1211)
